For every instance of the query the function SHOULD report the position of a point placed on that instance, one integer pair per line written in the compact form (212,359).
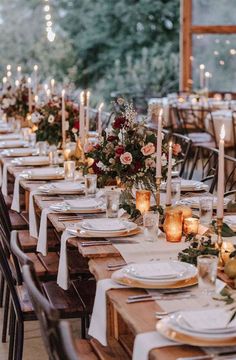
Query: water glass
(32,140)
(26,134)
(175,190)
(205,210)
(91,184)
(69,170)
(112,203)
(150,223)
(42,148)
(53,155)
(207,273)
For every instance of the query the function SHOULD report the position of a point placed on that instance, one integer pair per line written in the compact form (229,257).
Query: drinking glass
(205,210)
(207,272)
(69,170)
(53,155)
(112,203)
(91,184)
(150,223)
(175,190)
(26,134)
(42,148)
(32,140)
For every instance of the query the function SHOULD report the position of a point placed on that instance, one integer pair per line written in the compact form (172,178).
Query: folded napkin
(32,160)
(42,172)
(63,272)
(10,137)
(83,203)
(18,152)
(98,324)
(154,269)
(209,319)
(4,179)
(104,224)
(32,215)
(42,245)
(65,186)
(16,194)
(12,144)
(145,342)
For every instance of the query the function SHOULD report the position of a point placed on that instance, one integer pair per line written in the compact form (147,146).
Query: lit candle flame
(82,97)
(36,99)
(19,68)
(29,80)
(222,132)
(161,113)
(101,106)
(63,92)
(202,66)
(17,83)
(88,95)
(36,68)
(170,144)
(4,80)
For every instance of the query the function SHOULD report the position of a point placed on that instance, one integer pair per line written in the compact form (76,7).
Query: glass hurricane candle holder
(143,200)
(173,225)
(191,226)
(69,169)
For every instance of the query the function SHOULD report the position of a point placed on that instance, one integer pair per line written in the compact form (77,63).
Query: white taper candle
(221,170)
(169,176)
(159,144)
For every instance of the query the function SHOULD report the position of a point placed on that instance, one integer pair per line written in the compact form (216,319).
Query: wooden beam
(185,45)
(216,29)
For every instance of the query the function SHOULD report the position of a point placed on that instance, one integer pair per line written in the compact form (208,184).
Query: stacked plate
(18,152)
(43,174)
(159,274)
(105,227)
(83,206)
(230,220)
(193,201)
(189,185)
(62,188)
(211,327)
(12,144)
(31,161)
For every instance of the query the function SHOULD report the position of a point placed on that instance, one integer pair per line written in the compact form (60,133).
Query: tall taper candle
(221,182)
(52,86)
(201,69)
(159,144)
(29,95)
(100,119)
(63,118)
(81,118)
(169,176)
(18,72)
(87,112)
(36,78)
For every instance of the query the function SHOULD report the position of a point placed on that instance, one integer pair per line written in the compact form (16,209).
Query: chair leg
(83,327)
(11,319)
(12,329)
(19,341)
(5,316)
(2,287)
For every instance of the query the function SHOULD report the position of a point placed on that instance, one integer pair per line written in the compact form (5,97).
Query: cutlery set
(162,295)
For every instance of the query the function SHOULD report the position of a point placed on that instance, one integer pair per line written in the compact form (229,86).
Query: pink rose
(176,149)
(148,149)
(126,158)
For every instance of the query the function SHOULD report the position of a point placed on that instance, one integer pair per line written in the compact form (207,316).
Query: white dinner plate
(105,224)
(62,188)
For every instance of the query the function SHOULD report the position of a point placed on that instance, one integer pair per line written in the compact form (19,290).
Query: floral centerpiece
(127,151)
(8,103)
(49,120)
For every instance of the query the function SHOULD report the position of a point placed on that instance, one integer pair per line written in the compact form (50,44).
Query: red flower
(137,166)
(76,124)
(119,122)
(176,149)
(95,168)
(111,138)
(97,146)
(119,150)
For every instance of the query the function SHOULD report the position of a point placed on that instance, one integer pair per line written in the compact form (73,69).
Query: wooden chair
(204,166)
(186,146)
(57,335)
(16,220)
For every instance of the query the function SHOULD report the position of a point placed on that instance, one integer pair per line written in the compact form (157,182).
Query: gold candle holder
(219,242)
(143,200)
(158,185)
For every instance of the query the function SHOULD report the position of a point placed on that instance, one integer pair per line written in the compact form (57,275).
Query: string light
(49,23)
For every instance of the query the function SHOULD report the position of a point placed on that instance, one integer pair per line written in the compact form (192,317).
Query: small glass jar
(143,200)
(191,226)
(173,225)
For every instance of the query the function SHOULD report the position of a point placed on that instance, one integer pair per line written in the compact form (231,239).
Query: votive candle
(143,200)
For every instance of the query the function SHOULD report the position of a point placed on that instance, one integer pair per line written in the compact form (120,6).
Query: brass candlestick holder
(219,242)
(158,185)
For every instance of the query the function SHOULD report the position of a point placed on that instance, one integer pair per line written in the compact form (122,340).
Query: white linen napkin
(98,324)
(63,273)
(104,224)
(32,215)
(42,245)
(1,175)
(83,203)
(145,342)
(4,179)
(16,194)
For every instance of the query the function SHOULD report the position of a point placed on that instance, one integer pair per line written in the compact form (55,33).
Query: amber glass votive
(173,225)
(143,200)
(191,225)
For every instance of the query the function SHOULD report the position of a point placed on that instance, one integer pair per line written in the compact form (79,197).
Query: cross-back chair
(186,144)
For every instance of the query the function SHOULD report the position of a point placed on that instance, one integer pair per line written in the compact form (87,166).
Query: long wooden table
(125,321)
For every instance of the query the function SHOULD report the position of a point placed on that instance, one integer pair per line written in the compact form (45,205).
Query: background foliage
(125,46)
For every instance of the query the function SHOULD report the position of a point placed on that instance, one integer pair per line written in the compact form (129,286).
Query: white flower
(163,160)
(150,163)
(5,103)
(112,161)
(101,166)
(12,101)
(51,119)
(74,130)
(35,118)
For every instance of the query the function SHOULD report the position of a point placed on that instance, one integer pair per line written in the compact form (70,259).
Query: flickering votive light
(143,200)
(173,225)
(69,170)
(191,226)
